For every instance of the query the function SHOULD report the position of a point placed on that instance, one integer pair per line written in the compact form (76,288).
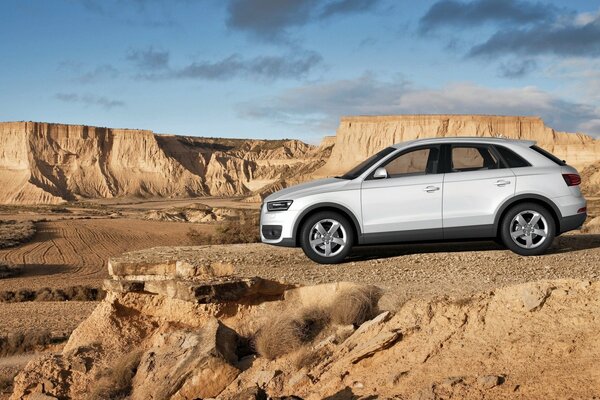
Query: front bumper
(277,227)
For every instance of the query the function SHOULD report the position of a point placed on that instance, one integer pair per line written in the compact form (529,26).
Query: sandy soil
(74,252)
(60,318)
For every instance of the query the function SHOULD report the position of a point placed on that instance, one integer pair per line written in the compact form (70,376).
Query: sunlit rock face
(53,163)
(361,136)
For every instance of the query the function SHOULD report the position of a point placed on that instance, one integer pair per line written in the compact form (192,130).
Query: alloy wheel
(529,229)
(328,237)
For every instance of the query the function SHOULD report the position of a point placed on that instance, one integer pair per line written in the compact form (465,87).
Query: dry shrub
(115,381)
(355,305)
(243,230)
(26,342)
(8,271)
(13,233)
(73,293)
(230,231)
(290,332)
(6,383)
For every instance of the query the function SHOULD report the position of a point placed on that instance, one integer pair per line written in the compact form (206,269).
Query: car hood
(309,188)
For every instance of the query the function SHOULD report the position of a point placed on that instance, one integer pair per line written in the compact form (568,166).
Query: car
(438,189)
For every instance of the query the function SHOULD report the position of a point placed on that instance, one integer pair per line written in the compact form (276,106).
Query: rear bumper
(572,222)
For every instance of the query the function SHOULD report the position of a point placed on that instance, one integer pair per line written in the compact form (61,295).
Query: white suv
(431,190)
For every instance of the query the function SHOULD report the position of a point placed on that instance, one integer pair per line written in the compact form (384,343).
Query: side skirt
(427,235)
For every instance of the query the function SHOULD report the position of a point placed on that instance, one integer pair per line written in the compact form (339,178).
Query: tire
(523,237)
(338,245)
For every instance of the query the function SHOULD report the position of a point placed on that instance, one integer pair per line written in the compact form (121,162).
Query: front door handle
(431,189)
(502,182)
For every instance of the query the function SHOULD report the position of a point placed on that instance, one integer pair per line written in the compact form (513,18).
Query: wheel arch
(528,198)
(326,207)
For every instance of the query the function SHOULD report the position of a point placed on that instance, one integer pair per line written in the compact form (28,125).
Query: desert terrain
(93,194)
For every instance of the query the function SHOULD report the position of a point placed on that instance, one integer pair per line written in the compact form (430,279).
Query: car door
(475,185)
(407,204)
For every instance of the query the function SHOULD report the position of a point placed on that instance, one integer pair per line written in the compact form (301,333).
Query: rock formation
(359,137)
(179,328)
(53,163)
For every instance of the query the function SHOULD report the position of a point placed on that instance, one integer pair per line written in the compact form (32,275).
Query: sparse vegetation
(6,383)
(290,332)
(14,233)
(307,358)
(115,381)
(230,231)
(8,271)
(26,342)
(355,305)
(72,293)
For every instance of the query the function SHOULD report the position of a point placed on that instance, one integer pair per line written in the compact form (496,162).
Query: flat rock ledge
(188,279)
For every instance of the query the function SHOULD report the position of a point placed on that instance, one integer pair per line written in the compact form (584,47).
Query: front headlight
(281,205)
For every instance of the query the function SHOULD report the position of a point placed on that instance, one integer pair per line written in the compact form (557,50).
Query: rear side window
(548,155)
(472,158)
(512,159)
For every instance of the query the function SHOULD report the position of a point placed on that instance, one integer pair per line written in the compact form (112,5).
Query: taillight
(572,179)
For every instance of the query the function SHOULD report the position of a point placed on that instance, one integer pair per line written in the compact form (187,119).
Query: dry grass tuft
(290,332)
(308,357)
(13,233)
(353,306)
(26,342)
(115,381)
(73,293)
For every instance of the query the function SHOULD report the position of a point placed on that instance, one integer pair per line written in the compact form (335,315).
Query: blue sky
(291,68)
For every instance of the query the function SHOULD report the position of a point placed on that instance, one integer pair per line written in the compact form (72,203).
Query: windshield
(368,163)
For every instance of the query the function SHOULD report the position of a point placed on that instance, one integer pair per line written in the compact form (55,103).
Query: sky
(291,68)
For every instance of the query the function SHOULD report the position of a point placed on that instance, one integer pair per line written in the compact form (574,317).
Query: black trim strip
(415,235)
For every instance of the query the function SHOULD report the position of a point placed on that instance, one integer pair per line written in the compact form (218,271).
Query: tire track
(71,252)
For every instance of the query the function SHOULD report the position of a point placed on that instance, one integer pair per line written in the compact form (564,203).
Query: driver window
(412,163)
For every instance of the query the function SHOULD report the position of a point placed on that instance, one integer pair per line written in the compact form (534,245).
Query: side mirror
(380,173)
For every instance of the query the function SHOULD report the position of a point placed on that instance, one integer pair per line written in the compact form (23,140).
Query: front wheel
(326,237)
(528,229)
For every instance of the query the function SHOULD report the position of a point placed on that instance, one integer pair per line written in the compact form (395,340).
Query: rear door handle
(431,189)
(502,182)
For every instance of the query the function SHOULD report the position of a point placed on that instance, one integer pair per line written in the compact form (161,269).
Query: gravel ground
(405,271)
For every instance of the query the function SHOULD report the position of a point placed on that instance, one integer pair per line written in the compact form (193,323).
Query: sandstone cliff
(361,136)
(52,163)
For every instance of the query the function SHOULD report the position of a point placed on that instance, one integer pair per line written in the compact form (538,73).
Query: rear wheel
(528,229)
(326,237)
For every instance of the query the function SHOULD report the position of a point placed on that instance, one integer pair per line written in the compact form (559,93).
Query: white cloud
(320,105)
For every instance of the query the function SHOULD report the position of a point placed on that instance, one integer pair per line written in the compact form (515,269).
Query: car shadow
(568,243)
(562,244)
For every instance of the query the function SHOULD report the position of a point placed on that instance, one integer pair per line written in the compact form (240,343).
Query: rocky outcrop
(359,137)
(53,163)
(184,330)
